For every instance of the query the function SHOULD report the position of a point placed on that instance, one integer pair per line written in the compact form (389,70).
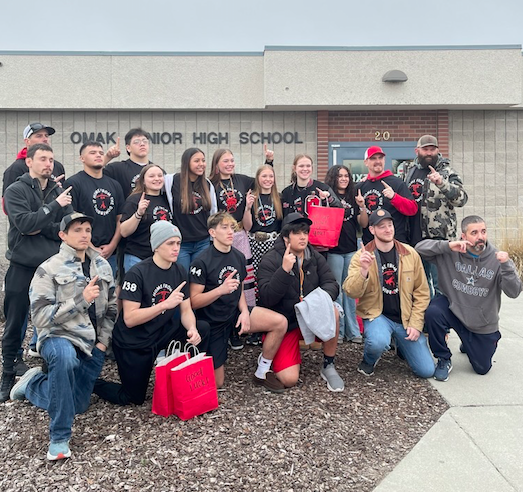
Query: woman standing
(193,200)
(262,221)
(263,214)
(340,180)
(146,205)
(304,190)
(231,195)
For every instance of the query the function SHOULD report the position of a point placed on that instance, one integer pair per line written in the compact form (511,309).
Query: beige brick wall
(248,156)
(486,148)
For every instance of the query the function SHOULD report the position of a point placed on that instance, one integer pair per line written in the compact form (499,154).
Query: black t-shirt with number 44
(148,284)
(211,268)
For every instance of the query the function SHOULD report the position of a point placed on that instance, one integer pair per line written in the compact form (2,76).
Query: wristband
(139,217)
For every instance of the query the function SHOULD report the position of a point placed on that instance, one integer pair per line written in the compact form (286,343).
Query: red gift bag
(162,394)
(194,387)
(326,226)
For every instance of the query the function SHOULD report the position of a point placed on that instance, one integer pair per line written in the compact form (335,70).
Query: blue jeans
(190,250)
(339,264)
(129,261)
(66,388)
(378,333)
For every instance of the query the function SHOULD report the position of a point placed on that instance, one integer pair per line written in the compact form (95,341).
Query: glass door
(351,155)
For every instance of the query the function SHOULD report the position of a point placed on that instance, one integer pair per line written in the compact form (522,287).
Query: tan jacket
(414,290)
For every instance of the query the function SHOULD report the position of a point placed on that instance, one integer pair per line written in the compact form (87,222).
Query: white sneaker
(34,353)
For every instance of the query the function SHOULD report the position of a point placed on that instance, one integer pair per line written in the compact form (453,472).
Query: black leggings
(135,367)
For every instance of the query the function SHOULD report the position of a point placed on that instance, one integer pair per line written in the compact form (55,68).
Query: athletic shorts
(289,352)
(219,342)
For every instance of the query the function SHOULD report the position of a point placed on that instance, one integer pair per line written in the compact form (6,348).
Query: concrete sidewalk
(477,445)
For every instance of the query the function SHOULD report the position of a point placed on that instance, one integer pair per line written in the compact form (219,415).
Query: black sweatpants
(16,306)
(479,348)
(135,367)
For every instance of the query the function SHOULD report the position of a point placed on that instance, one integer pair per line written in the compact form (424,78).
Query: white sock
(264,366)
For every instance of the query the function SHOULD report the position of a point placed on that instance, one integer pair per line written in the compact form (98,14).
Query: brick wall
(361,126)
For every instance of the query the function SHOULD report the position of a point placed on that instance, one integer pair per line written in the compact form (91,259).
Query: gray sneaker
(334,382)
(18,390)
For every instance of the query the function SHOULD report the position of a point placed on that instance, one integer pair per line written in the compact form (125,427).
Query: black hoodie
(280,290)
(31,209)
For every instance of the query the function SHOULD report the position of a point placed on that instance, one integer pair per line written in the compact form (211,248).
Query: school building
(329,102)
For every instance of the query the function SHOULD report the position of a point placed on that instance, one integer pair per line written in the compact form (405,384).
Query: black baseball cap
(36,127)
(295,218)
(378,215)
(64,224)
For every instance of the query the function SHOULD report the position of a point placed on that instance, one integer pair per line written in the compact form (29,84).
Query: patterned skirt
(258,249)
(241,243)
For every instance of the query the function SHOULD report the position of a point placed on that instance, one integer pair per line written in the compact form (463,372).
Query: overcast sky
(243,25)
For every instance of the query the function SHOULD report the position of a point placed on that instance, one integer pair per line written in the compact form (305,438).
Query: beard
(479,246)
(428,160)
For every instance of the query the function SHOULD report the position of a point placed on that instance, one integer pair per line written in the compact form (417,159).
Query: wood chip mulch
(307,439)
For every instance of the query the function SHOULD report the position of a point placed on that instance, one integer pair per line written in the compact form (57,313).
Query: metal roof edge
(395,48)
(132,53)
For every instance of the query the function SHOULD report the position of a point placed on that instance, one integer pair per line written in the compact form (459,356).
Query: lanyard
(302,278)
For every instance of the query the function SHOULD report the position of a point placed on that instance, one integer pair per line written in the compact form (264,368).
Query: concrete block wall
(249,156)
(486,147)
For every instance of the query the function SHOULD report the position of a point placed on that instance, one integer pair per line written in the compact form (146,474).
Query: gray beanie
(161,231)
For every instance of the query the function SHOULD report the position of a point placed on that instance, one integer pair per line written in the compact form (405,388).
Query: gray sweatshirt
(473,285)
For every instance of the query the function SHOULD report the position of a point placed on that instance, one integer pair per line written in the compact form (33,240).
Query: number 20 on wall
(381,135)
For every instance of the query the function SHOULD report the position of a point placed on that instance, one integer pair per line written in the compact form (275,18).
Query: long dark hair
(331,179)
(199,186)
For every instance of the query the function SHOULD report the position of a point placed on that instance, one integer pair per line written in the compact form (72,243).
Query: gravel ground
(306,439)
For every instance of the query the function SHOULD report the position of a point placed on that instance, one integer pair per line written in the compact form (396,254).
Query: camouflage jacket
(58,308)
(438,219)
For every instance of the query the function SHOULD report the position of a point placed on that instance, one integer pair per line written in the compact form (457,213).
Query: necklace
(231,201)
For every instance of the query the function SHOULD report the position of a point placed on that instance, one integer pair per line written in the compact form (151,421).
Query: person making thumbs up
(383,190)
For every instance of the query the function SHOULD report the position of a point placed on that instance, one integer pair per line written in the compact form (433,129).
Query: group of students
(201,289)
(203,260)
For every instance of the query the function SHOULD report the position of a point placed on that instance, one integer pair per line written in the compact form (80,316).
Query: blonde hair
(221,217)
(275,196)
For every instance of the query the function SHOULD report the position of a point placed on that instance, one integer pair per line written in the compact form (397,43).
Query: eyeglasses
(138,141)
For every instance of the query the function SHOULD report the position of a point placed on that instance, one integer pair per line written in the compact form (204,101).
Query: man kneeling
(156,309)
(73,306)
(217,276)
(388,278)
(288,273)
